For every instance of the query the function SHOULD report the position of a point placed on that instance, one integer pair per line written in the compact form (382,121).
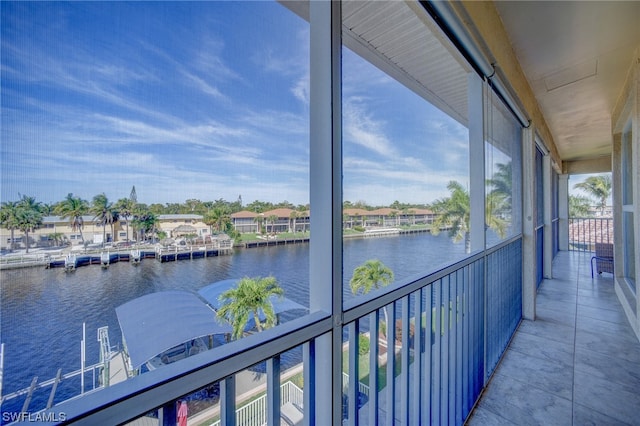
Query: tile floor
(577,364)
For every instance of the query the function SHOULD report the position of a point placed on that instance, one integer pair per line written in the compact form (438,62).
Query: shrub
(363,345)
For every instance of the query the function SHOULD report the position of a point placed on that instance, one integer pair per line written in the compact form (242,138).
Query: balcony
(577,363)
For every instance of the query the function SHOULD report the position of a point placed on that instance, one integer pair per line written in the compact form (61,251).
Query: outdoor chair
(603,258)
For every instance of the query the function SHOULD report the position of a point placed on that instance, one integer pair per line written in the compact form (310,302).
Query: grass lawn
(363,368)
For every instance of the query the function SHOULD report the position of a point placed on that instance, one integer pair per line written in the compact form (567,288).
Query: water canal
(42,310)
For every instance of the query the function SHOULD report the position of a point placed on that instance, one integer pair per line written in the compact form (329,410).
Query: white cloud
(361,128)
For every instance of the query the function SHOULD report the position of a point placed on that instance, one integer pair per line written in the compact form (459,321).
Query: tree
(412,213)
(144,221)
(250,297)
(293,216)
(371,275)
(73,208)
(303,212)
(193,206)
(56,237)
(598,187)
(217,219)
(273,219)
(578,206)
(454,211)
(133,196)
(104,213)
(260,221)
(9,219)
(502,181)
(495,205)
(125,207)
(29,217)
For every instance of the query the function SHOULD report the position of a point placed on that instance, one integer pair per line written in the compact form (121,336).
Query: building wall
(626,195)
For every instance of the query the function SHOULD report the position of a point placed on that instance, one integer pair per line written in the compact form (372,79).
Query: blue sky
(201,100)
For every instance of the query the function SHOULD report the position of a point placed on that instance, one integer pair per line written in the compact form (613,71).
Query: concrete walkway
(577,364)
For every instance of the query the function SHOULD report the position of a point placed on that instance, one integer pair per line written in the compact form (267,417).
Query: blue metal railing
(504,300)
(449,330)
(449,336)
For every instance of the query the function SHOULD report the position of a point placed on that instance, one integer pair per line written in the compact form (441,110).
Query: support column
(548,227)
(325,247)
(528,223)
(563,211)
(477,115)
(616,196)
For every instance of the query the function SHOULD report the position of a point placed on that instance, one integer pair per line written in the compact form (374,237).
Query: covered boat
(175,323)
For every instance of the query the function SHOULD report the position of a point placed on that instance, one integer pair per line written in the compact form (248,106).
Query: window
(503,172)
(628,230)
(405,143)
(192,110)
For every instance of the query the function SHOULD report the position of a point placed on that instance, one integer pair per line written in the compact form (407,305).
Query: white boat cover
(156,322)
(212,292)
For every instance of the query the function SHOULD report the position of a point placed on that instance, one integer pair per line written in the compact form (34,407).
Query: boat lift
(54,382)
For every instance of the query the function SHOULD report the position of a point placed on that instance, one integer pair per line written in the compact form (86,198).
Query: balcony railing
(451,328)
(584,233)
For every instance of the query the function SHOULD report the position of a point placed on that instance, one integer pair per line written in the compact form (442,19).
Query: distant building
(386,217)
(284,221)
(92,231)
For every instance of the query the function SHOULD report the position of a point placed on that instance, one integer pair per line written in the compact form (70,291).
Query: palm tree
(273,219)
(260,221)
(250,297)
(217,219)
(9,219)
(144,221)
(302,214)
(56,237)
(412,213)
(371,275)
(598,187)
(495,204)
(454,211)
(393,214)
(578,206)
(28,217)
(125,207)
(502,181)
(73,208)
(104,213)
(293,216)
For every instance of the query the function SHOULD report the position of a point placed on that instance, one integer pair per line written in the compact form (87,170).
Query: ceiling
(576,56)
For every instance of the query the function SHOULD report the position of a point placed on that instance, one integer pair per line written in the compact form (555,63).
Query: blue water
(42,310)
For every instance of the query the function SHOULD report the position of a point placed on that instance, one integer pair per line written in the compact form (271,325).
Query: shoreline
(42,257)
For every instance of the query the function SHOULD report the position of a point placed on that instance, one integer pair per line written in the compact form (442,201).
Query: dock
(175,253)
(74,260)
(275,242)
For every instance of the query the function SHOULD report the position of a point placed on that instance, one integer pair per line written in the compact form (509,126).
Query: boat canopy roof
(212,292)
(156,322)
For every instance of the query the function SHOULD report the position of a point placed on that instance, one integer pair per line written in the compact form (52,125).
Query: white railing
(26,258)
(255,412)
(362,388)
